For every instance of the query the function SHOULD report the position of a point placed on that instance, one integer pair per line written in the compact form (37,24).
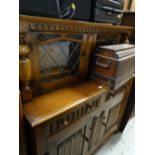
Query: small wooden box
(114,64)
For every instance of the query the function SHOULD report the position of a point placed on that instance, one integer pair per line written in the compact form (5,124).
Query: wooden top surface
(47,106)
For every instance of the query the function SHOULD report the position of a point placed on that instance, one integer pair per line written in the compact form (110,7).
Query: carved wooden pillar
(25,72)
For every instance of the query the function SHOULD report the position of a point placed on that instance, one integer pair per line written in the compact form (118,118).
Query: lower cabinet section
(83,135)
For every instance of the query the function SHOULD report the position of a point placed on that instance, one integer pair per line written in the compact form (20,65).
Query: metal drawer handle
(103,65)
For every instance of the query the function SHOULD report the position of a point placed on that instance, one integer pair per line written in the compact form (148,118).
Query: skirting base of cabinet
(106,137)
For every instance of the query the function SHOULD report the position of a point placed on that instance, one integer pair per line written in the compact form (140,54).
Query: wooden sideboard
(65,112)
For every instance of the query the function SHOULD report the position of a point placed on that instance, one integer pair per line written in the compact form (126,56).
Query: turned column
(25,72)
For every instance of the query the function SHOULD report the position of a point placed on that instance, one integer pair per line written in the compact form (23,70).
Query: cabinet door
(71,145)
(113,116)
(98,129)
(95,132)
(101,122)
(69,141)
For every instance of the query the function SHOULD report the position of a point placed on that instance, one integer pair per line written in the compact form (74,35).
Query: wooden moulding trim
(35,122)
(72,25)
(45,86)
(60,39)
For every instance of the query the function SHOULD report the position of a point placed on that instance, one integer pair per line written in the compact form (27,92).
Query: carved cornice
(41,24)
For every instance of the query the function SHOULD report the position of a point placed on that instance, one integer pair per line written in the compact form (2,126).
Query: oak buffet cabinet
(65,112)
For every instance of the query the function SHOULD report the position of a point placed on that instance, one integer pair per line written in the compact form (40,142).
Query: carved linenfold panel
(97,130)
(113,116)
(72,145)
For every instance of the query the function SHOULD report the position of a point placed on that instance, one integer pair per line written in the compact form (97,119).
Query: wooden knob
(66,123)
(24,50)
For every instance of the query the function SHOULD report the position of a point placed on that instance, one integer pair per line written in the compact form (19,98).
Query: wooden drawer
(71,116)
(114,93)
(112,98)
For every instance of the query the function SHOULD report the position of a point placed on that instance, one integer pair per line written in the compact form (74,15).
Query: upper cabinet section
(55,53)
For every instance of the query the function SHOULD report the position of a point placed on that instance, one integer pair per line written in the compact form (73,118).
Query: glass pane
(59,59)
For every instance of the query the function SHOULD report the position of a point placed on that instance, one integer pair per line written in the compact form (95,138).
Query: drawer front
(71,116)
(113,98)
(114,93)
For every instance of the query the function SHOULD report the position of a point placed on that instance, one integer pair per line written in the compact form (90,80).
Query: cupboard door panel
(97,130)
(113,116)
(71,145)
(70,140)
